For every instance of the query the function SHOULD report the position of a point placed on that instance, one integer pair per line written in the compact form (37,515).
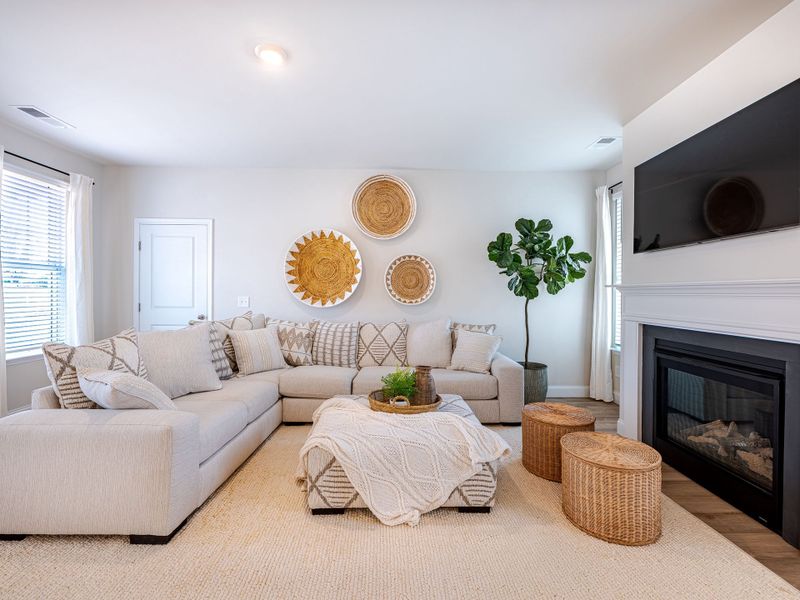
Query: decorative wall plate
(323,267)
(410,279)
(384,207)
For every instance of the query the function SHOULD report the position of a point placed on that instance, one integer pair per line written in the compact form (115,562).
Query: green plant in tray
(403,382)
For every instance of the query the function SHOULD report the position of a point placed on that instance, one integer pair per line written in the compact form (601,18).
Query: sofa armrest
(510,387)
(100,472)
(44,397)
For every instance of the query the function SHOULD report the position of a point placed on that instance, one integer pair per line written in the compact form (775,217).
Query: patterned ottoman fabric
(328,486)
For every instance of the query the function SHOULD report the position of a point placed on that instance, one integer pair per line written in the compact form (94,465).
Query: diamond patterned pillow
(297,341)
(383,345)
(118,353)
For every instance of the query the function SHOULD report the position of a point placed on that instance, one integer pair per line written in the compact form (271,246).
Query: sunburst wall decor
(323,267)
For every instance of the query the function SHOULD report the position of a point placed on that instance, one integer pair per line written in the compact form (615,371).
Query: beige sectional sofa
(143,472)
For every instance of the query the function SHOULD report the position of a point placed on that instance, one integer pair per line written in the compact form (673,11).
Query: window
(32,228)
(616,265)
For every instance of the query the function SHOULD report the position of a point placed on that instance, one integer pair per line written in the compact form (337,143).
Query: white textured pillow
(474,351)
(429,343)
(117,390)
(180,360)
(257,350)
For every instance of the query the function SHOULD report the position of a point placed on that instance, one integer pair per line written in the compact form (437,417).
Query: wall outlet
(243,301)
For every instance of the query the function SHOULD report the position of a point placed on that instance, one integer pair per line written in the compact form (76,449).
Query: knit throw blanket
(401,465)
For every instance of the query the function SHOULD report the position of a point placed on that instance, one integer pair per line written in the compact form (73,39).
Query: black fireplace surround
(725,411)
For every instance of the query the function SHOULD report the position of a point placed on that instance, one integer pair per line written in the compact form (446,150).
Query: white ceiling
(440,84)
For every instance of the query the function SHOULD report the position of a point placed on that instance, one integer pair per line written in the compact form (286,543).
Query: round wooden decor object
(323,268)
(384,207)
(410,279)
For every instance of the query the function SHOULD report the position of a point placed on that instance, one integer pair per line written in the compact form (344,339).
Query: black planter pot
(535,382)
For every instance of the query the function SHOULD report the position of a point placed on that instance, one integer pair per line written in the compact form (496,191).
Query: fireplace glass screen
(725,419)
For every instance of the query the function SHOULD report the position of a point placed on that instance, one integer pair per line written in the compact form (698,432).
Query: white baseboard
(568,391)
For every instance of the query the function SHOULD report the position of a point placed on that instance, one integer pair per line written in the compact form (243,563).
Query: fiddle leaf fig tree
(536,260)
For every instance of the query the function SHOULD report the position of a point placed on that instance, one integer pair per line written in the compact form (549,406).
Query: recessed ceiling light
(271,55)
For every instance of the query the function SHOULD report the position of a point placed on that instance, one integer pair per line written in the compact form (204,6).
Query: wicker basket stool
(543,424)
(612,487)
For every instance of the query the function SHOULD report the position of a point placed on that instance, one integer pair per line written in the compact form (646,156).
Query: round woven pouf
(543,424)
(611,487)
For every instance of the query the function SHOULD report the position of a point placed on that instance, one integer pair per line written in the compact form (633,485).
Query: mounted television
(738,177)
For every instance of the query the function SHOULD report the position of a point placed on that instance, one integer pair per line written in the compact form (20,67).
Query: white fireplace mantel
(765,309)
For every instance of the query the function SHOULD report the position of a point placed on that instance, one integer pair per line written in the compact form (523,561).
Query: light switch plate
(243,301)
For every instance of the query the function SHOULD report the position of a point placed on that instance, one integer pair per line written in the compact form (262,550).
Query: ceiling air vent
(44,117)
(603,142)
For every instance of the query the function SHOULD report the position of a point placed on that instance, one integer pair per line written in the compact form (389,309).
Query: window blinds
(616,267)
(32,227)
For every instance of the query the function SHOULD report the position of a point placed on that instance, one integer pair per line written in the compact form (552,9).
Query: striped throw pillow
(336,344)
(474,352)
(257,350)
(220,330)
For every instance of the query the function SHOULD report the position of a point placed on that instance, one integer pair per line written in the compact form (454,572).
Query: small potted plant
(536,259)
(399,385)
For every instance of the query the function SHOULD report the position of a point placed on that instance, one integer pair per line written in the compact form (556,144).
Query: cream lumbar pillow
(117,390)
(429,343)
(257,350)
(179,362)
(474,351)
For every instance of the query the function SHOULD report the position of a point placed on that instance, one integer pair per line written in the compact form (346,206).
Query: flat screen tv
(738,177)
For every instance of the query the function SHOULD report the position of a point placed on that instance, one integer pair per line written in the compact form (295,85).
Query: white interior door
(173,273)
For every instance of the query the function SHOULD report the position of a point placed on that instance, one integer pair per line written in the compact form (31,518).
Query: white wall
(760,63)
(30,374)
(259,212)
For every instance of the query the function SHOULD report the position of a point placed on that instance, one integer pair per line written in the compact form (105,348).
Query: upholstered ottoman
(330,492)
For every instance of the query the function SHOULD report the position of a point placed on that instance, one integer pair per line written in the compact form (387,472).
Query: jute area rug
(255,538)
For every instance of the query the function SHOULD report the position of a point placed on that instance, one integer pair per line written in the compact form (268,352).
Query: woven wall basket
(384,207)
(323,268)
(410,279)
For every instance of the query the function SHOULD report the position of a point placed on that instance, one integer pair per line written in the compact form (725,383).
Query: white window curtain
(3,380)
(80,304)
(600,384)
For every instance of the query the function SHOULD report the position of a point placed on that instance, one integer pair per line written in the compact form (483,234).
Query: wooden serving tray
(377,403)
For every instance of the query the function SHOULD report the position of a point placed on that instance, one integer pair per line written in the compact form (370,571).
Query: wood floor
(764,545)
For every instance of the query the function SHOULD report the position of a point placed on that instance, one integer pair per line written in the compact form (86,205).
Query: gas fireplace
(725,411)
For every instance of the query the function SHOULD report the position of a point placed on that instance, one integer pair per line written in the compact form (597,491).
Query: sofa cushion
(430,343)
(257,392)
(221,420)
(179,361)
(317,381)
(470,386)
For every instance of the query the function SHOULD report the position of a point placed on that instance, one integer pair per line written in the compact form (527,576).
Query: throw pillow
(335,344)
(474,351)
(257,350)
(383,345)
(456,327)
(115,390)
(297,341)
(244,322)
(179,361)
(430,343)
(118,353)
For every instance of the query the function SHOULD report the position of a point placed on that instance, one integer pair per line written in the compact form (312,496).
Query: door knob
(201,317)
